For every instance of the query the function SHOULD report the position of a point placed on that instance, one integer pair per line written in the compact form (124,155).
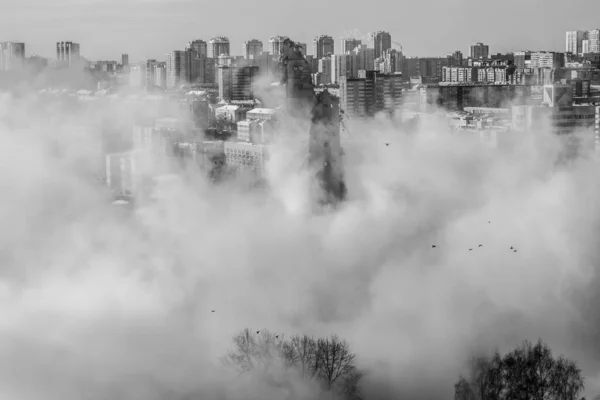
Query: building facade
(547,59)
(237,83)
(12,56)
(376,92)
(252,49)
(177,68)
(198,46)
(246,158)
(348,44)
(219,45)
(276,44)
(574,41)
(480,51)
(67,52)
(323,46)
(380,41)
(593,38)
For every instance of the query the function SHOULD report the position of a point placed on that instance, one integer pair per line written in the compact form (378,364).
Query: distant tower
(323,45)
(177,68)
(252,49)
(276,44)
(68,52)
(124,60)
(574,41)
(219,46)
(380,42)
(349,44)
(200,47)
(319,113)
(12,56)
(480,51)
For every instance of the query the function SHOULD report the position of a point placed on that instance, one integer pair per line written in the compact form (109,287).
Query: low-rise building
(246,158)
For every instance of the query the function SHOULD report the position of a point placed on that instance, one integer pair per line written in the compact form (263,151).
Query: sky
(151,28)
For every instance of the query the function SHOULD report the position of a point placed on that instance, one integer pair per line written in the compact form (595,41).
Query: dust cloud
(99,304)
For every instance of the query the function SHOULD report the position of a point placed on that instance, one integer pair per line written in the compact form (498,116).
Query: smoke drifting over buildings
(131,211)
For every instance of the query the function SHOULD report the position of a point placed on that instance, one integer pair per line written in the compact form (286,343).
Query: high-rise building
(12,56)
(365,58)
(341,65)
(68,52)
(325,70)
(177,68)
(349,44)
(594,40)
(323,46)
(202,69)
(252,49)
(380,41)
(455,59)
(124,60)
(374,93)
(585,46)
(150,80)
(200,47)
(219,46)
(574,41)
(276,44)
(137,75)
(160,75)
(237,83)
(480,51)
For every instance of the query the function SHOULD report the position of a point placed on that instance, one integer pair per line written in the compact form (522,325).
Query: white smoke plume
(97,305)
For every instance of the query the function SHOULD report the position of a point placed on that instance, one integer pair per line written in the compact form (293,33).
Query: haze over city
(299,201)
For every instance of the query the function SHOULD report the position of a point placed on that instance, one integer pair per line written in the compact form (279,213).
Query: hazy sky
(151,28)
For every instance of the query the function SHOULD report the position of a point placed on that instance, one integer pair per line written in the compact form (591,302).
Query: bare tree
(334,361)
(303,354)
(253,350)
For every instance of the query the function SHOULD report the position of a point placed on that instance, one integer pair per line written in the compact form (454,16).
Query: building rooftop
(265,111)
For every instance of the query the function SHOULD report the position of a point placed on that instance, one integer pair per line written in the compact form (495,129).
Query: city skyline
(124,25)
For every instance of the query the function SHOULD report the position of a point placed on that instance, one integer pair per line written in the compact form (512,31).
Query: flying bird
(515,251)
(257,332)
(489,222)
(276,336)
(470,249)
(480,245)
(433,246)
(512,248)
(387,144)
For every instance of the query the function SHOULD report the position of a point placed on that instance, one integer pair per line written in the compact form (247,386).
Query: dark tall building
(372,94)
(323,45)
(252,49)
(203,70)
(124,60)
(455,59)
(480,51)
(380,42)
(67,52)
(237,83)
(219,46)
(200,47)
(349,44)
(12,56)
